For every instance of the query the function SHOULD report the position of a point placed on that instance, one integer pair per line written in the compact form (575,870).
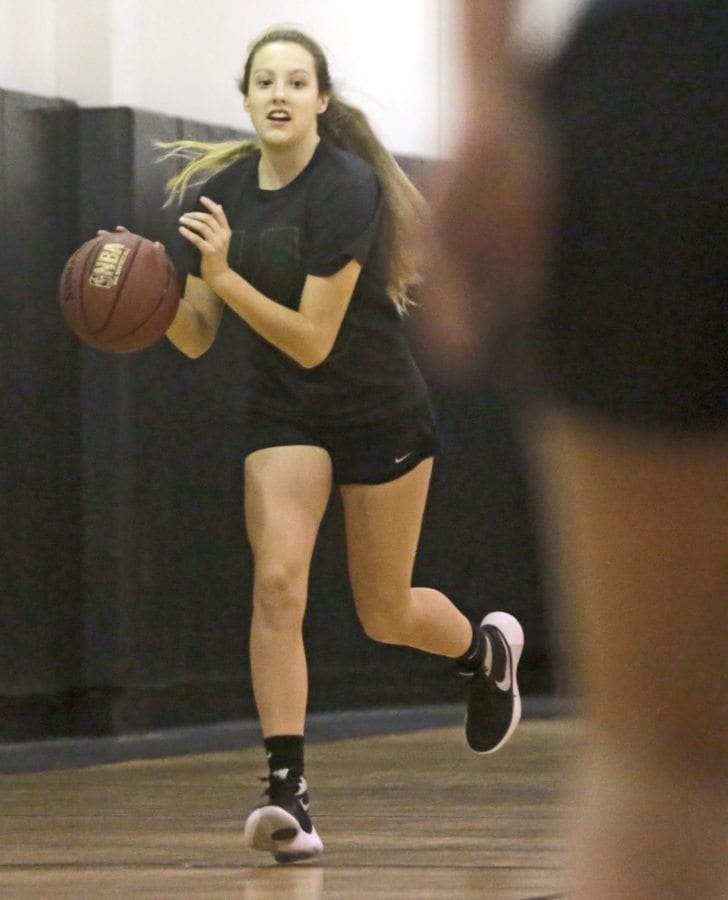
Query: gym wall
(125,579)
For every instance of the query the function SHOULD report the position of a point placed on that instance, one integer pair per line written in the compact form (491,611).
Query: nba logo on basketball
(108,265)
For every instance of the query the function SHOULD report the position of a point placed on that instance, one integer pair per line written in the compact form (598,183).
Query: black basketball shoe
(494,704)
(282,825)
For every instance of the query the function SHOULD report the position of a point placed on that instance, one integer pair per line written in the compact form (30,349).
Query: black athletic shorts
(635,326)
(374,453)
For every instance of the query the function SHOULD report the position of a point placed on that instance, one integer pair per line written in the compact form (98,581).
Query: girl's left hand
(210,233)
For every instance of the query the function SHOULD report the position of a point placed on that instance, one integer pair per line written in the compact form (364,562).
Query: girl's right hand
(121,228)
(118,228)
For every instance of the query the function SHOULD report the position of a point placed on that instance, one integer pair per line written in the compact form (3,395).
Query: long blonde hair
(347,127)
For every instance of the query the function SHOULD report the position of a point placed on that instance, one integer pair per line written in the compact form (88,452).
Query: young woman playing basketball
(308,235)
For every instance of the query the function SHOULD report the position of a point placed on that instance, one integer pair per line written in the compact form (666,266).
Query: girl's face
(283,98)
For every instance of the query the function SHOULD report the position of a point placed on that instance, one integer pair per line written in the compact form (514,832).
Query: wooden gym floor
(413,815)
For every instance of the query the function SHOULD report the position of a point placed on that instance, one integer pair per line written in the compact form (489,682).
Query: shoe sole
(511,629)
(273,830)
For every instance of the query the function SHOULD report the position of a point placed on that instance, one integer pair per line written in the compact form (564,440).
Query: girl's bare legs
(640,530)
(286,493)
(383,524)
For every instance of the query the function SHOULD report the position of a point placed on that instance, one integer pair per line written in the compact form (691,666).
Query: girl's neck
(279,166)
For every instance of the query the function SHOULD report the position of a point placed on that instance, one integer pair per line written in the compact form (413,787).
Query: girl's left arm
(307,334)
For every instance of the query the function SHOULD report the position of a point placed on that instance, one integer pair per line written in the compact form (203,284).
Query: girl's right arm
(195,326)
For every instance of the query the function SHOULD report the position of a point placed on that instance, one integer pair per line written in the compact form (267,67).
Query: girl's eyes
(267,82)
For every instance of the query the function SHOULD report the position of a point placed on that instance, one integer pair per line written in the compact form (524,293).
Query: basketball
(119,292)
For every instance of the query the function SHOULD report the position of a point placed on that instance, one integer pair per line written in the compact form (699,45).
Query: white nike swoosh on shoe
(401,459)
(505,685)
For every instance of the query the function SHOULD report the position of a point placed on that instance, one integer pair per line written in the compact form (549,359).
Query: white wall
(84,47)
(397,59)
(26,46)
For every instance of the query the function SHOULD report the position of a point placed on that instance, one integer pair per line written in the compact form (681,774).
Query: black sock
(285,751)
(474,657)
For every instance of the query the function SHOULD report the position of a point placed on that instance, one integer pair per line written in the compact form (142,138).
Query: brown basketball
(119,292)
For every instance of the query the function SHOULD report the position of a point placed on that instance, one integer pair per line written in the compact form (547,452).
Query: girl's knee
(279,594)
(385,621)
(378,629)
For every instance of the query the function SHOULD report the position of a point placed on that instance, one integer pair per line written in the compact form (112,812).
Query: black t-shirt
(331,213)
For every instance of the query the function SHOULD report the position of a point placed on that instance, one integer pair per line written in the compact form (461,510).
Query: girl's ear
(323,103)
(246,105)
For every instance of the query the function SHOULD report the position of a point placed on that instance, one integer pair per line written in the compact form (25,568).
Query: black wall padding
(126,594)
(41,602)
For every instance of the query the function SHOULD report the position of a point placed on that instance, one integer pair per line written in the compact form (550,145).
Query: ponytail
(203,161)
(408,213)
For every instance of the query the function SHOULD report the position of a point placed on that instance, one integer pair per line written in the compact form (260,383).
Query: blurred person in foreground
(582,226)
